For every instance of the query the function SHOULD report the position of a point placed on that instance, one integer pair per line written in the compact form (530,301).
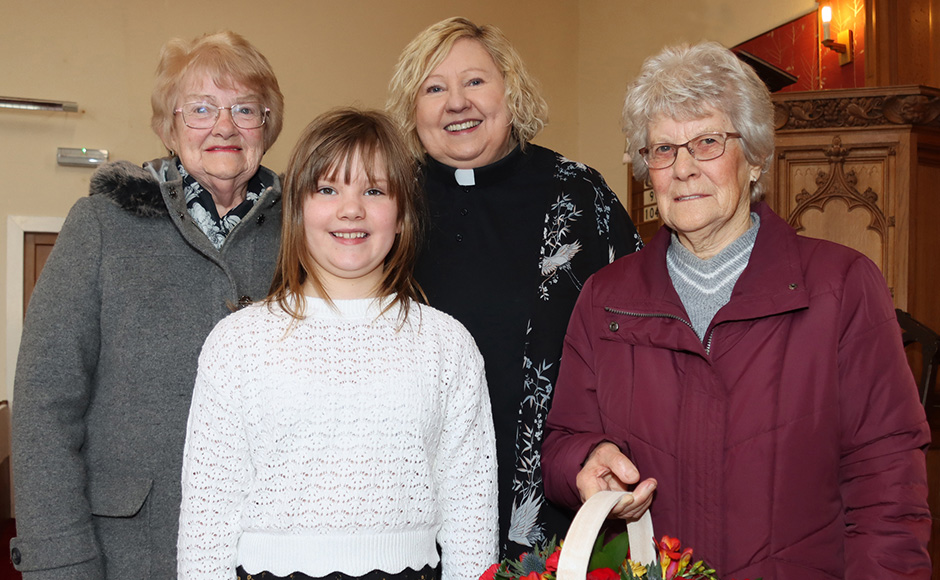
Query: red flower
(603,574)
(672,561)
(532,576)
(669,548)
(551,563)
(490,573)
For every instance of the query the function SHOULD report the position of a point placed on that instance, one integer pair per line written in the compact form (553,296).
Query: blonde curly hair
(527,108)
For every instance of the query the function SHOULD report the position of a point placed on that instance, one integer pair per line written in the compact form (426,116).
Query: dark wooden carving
(842,185)
(856,110)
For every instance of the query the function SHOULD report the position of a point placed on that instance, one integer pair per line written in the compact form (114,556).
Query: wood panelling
(903,42)
(862,168)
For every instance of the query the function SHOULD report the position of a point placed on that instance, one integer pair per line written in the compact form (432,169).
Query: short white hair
(690,82)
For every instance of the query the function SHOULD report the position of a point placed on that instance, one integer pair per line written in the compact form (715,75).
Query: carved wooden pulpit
(862,167)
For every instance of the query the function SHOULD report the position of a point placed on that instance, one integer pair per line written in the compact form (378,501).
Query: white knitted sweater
(338,444)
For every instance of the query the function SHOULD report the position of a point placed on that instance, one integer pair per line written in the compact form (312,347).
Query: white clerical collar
(464,177)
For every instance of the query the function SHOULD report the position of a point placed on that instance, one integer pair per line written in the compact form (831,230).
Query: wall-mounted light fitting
(38,104)
(81,156)
(844,43)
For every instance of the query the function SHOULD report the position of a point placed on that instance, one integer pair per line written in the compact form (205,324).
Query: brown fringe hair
(326,149)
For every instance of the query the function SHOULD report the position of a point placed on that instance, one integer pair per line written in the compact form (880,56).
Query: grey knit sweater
(704,286)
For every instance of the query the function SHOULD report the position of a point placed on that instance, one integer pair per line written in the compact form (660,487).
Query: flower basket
(585,556)
(579,543)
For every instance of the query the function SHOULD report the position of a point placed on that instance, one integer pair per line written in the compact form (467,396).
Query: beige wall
(102,53)
(615,38)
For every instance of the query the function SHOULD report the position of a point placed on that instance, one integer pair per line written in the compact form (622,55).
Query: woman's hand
(606,468)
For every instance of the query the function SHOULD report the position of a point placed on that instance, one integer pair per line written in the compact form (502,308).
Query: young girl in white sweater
(340,428)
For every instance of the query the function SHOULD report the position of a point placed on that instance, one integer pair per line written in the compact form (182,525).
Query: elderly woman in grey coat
(142,270)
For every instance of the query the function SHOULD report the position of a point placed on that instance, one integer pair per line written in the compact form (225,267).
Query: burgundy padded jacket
(787,444)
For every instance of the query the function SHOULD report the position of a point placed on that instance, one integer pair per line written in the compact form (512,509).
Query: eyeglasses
(205,115)
(702,148)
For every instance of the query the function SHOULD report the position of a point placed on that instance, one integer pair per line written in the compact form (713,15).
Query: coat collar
(772,283)
(140,190)
(130,187)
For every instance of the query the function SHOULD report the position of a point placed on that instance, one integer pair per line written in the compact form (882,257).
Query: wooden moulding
(858,108)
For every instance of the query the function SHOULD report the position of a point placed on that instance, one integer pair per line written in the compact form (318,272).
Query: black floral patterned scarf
(202,208)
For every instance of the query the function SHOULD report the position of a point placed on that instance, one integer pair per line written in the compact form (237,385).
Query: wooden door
(36,249)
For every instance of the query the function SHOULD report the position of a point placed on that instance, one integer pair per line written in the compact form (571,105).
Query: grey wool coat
(106,370)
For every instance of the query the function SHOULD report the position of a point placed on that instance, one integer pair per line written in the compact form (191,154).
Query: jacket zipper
(707,344)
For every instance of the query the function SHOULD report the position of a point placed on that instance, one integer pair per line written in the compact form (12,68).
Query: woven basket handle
(583,533)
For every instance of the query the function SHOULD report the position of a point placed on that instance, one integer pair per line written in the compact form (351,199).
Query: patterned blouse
(508,249)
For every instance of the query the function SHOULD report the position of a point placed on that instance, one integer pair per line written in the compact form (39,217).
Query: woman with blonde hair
(515,230)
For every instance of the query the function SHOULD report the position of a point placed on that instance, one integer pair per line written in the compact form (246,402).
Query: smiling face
(223,158)
(707,203)
(461,114)
(350,225)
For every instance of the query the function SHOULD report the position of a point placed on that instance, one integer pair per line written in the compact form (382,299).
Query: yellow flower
(637,568)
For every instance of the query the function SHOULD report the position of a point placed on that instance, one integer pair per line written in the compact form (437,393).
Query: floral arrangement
(609,561)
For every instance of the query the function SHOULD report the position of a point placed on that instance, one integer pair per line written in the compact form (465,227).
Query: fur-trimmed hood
(133,188)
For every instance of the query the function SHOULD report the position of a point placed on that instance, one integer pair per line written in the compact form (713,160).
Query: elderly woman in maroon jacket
(754,379)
